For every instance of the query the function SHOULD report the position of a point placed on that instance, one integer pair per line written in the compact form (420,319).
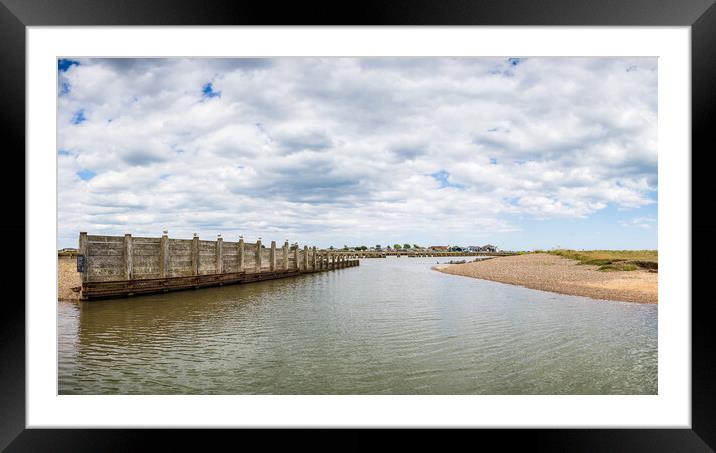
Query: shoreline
(67,278)
(555,274)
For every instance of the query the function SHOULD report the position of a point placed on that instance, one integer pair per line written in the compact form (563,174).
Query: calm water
(390,326)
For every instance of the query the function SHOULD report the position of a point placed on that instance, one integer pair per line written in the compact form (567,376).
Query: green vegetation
(618,267)
(612,260)
(406,246)
(397,246)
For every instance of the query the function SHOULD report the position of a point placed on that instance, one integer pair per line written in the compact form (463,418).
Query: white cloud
(639,222)
(322,150)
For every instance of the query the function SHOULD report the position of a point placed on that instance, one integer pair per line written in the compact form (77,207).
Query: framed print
(466,216)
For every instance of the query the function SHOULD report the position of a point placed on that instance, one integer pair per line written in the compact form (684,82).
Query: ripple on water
(387,327)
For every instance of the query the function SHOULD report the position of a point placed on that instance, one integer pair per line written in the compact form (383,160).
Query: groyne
(115,266)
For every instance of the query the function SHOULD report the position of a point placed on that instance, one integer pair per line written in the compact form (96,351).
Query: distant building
(481,248)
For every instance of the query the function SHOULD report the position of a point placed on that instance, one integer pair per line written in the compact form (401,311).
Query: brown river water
(389,326)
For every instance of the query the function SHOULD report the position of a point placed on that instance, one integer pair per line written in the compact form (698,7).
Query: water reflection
(390,326)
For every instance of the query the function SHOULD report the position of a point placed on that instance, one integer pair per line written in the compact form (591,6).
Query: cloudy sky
(522,153)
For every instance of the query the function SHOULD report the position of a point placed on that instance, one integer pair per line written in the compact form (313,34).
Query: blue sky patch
(79,117)
(493,161)
(442,177)
(63,64)
(63,152)
(86,175)
(64,88)
(208,91)
(514,61)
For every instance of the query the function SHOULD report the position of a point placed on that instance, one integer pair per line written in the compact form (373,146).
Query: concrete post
(313,258)
(258,255)
(240,256)
(285,255)
(305,257)
(164,255)
(195,255)
(333,261)
(83,249)
(128,256)
(219,255)
(272,257)
(295,256)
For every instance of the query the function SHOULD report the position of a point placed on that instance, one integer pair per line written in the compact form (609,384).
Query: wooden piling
(128,256)
(164,255)
(83,249)
(240,255)
(285,255)
(195,255)
(219,255)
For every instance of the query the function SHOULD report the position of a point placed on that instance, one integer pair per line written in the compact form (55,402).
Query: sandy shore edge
(555,274)
(67,278)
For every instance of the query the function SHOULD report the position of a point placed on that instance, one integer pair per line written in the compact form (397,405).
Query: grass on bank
(613,260)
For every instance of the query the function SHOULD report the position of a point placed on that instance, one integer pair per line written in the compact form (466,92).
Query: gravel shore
(561,275)
(67,278)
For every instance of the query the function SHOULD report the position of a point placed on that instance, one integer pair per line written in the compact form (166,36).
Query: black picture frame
(16,15)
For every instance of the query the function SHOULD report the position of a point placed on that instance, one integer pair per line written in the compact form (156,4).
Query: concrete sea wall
(112,266)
